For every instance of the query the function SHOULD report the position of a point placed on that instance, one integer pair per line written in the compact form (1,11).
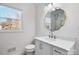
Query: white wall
(70,30)
(19,39)
(40,29)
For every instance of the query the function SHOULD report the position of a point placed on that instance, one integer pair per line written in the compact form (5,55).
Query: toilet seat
(30,48)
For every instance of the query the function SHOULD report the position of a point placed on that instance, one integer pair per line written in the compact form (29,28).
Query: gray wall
(19,39)
(70,30)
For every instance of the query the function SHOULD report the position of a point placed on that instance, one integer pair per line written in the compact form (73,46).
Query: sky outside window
(7,12)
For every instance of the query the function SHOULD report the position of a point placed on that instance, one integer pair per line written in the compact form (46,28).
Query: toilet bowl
(29,49)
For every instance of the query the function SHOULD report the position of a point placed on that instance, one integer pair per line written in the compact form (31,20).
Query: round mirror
(54,19)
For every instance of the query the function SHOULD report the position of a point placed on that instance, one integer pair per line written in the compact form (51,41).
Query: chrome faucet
(51,35)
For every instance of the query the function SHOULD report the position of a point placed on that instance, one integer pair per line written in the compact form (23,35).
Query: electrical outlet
(12,49)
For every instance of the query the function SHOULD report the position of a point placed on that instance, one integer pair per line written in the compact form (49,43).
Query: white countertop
(64,44)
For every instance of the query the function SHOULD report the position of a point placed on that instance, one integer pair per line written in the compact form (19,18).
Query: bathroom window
(10,18)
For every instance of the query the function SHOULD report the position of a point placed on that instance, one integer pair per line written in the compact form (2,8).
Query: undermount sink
(46,38)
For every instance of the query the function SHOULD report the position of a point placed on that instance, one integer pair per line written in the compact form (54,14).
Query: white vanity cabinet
(58,47)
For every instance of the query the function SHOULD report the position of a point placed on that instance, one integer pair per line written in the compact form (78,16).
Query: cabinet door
(43,48)
(38,49)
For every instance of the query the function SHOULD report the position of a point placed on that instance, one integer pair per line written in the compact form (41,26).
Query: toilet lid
(31,46)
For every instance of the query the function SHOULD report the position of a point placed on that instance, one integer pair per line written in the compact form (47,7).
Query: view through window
(10,18)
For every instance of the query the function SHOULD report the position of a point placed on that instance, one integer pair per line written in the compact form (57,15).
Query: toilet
(29,49)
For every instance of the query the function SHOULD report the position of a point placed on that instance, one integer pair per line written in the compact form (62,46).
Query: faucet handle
(54,37)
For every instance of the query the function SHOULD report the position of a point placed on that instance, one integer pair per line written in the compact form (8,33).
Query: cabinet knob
(40,46)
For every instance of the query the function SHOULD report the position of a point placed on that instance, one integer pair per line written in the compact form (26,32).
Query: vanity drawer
(59,51)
